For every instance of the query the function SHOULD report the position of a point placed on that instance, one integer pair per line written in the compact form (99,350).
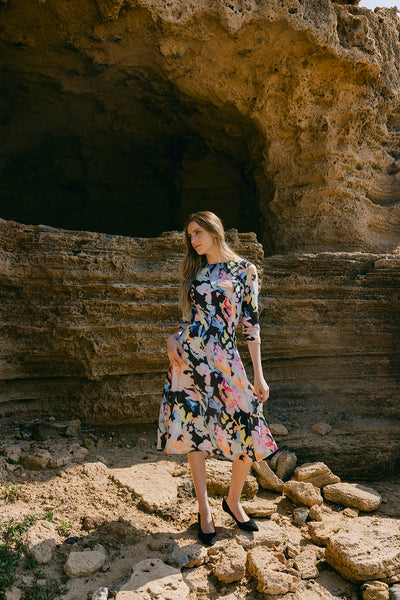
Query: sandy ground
(128,532)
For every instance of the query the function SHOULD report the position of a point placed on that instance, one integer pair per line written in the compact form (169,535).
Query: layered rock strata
(85,316)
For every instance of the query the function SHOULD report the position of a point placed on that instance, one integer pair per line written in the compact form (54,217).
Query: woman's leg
(240,470)
(197,464)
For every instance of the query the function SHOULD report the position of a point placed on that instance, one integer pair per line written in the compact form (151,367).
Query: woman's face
(201,240)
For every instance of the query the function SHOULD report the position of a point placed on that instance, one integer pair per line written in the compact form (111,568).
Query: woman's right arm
(174,349)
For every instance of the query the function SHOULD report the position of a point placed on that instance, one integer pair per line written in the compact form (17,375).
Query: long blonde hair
(193,262)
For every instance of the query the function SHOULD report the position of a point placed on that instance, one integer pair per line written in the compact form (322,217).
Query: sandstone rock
(13,594)
(60,460)
(321,428)
(90,522)
(365,549)
(39,541)
(277,429)
(270,535)
(176,556)
(316,513)
(100,594)
(197,555)
(259,508)
(300,515)
(12,451)
(231,563)
(267,568)
(321,531)
(73,428)
(306,562)
(301,493)
(351,512)
(318,474)
(375,590)
(266,478)
(36,459)
(353,495)
(81,564)
(219,477)
(152,578)
(199,582)
(155,487)
(78,452)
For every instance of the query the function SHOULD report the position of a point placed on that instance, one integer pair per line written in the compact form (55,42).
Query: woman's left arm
(260,385)
(251,330)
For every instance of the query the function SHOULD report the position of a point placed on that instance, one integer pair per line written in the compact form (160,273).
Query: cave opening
(137,169)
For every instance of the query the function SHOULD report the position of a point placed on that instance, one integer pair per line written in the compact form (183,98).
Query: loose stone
(302,493)
(152,578)
(321,428)
(375,590)
(81,564)
(319,474)
(266,478)
(39,541)
(353,495)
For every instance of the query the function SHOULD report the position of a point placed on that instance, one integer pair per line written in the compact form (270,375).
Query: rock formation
(281,115)
(85,318)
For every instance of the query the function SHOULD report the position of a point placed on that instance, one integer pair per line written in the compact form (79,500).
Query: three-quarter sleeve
(250,322)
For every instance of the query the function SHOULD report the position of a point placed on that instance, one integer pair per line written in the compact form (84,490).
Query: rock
(78,452)
(82,564)
(270,534)
(394,593)
(319,474)
(60,460)
(197,554)
(321,531)
(352,495)
(231,563)
(199,583)
(219,477)
(301,493)
(321,428)
(90,522)
(365,549)
(259,508)
(277,429)
(12,452)
(266,478)
(268,569)
(176,556)
(36,459)
(306,562)
(89,444)
(375,590)
(117,528)
(150,482)
(73,428)
(39,541)
(283,463)
(152,578)
(300,515)
(351,512)
(100,594)
(13,594)
(316,513)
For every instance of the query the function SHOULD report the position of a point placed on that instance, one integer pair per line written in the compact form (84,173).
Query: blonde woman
(208,406)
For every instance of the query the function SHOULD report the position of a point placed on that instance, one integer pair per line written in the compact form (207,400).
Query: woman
(209,407)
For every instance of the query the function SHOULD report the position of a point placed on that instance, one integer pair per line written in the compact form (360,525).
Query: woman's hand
(175,351)
(261,388)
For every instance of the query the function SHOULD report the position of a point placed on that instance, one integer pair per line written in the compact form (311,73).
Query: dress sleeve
(250,322)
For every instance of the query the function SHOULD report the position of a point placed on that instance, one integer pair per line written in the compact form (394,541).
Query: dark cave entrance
(135,172)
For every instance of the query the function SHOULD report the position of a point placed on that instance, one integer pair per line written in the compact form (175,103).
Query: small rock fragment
(266,478)
(319,474)
(316,513)
(176,556)
(277,429)
(73,428)
(394,593)
(285,464)
(39,541)
(375,590)
(302,493)
(351,512)
(81,564)
(231,563)
(321,428)
(352,495)
(13,594)
(300,515)
(152,578)
(306,563)
(90,522)
(78,452)
(13,452)
(268,569)
(36,459)
(100,594)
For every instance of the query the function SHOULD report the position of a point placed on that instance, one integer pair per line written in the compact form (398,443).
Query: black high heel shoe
(208,539)
(249,525)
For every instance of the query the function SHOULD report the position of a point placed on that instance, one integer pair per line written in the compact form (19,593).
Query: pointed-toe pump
(208,539)
(249,525)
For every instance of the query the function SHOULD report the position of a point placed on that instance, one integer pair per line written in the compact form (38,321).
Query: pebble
(321,428)
(100,594)
(300,515)
(303,494)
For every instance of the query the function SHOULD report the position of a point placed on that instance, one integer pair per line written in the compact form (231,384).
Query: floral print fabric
(208,404)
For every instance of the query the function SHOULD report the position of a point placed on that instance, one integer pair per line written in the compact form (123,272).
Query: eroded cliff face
(122,116)
(85,317)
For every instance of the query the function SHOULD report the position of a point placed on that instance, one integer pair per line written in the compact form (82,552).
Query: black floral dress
(208,404)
